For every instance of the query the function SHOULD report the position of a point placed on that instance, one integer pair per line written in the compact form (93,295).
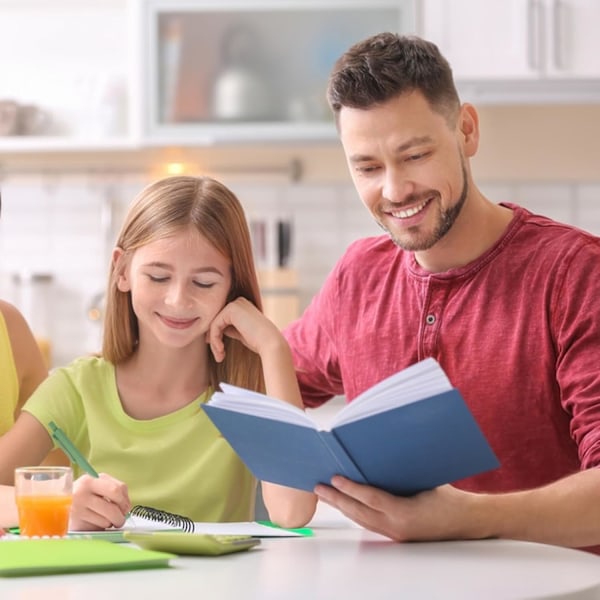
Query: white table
(341,561)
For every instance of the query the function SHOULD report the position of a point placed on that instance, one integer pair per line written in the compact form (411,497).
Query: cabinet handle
(558,23)
(533,35)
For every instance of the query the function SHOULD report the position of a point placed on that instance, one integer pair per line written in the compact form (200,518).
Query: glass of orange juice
(44,496)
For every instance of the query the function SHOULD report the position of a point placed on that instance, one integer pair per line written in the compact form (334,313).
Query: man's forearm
(566,512)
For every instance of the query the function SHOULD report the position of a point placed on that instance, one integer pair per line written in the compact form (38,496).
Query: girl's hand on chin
(241,320)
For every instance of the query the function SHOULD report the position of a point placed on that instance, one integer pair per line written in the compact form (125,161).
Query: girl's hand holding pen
(99,502)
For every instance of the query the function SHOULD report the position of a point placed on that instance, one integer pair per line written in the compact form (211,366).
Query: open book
(408,433)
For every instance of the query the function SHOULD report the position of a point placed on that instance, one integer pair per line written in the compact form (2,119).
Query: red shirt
(517,331)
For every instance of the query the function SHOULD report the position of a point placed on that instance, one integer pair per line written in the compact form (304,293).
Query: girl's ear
(468,123)
(119,270)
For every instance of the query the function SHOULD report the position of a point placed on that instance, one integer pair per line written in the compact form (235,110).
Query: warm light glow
(94,314)
(175,168)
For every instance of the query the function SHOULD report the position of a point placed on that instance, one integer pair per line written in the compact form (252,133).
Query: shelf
(266,132)
(32,144)
(156,63)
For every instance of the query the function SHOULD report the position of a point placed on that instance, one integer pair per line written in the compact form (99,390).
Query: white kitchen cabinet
(572,44)
(129,74)
(241,71)
(73,62)
(528,49)
(490,39)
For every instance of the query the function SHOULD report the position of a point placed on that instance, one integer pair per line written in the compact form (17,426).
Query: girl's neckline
(189,407)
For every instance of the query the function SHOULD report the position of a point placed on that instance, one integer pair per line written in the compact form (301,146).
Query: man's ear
(119,269)
(468,128)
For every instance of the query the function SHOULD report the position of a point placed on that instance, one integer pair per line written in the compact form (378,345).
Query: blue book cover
(409,433)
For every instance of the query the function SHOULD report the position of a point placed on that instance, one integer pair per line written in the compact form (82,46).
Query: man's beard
(412,243)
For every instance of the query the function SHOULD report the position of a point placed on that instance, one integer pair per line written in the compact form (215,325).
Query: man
(508,303)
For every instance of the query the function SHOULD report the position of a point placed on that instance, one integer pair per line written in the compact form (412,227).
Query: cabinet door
(572,41)
(495,39)
(231,70)
(65,75)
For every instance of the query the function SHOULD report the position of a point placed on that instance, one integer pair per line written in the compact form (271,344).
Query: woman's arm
(31,369)
(30,365)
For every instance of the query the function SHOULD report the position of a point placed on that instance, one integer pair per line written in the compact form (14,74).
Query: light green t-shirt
(178,462)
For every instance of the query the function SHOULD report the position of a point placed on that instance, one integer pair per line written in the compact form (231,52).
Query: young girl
(183,314)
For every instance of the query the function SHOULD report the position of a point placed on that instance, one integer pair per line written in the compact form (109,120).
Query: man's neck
(479,226)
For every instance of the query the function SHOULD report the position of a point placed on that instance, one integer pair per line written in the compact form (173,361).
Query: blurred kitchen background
(98,98)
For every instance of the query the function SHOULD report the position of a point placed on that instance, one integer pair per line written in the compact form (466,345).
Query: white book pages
(421,380)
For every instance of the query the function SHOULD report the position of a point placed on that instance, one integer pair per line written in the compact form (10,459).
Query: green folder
(63,555)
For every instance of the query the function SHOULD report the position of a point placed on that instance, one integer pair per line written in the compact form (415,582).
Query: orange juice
(44,515)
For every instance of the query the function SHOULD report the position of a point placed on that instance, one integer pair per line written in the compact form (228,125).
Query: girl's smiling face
(178,284)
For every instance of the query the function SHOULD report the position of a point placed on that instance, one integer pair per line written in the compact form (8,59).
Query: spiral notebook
(145,518)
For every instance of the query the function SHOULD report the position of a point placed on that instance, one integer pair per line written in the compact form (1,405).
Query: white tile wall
(587,201)
(56,226)
(577,204)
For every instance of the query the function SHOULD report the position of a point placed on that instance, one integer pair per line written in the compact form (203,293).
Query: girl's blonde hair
(161,210)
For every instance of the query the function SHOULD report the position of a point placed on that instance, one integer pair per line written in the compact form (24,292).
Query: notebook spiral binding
(162,516)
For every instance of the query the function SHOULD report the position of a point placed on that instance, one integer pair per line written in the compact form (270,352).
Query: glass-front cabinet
(235,71)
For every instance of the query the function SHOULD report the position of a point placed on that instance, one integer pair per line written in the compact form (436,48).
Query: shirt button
(430,319)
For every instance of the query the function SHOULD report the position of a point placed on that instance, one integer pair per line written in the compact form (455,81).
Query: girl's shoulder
(90,367)
(93,362)
(82,381)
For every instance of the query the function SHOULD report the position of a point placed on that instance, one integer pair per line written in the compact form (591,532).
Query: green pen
(69,448)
